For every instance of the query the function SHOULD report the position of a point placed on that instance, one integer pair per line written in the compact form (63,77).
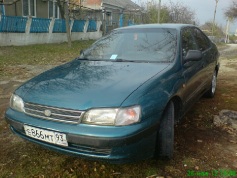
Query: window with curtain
(53,9)
(29,7)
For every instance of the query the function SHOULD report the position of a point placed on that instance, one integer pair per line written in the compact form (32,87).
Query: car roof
(164,25)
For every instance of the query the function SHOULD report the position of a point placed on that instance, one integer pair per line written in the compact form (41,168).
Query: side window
(188,42)
(202,41)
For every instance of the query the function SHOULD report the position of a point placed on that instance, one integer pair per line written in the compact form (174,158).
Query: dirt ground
(201,149)
(215,146)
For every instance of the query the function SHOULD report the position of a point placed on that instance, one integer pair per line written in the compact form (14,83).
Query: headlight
(17,103)
(127,116)
(109,116)
(100,116)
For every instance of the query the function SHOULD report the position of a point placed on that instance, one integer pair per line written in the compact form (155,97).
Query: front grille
(56,114)
(90,150)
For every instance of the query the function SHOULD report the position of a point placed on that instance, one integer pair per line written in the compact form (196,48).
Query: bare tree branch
(231,12)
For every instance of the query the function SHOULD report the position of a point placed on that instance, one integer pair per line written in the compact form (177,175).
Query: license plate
(46,135)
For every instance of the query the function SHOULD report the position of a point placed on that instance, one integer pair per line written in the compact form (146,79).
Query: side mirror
(82,52)
(193,55)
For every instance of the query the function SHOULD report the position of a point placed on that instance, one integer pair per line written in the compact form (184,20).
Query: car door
(204,45)
(192,70)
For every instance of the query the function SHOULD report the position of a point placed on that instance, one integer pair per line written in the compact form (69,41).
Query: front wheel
(211,92)
(165,137)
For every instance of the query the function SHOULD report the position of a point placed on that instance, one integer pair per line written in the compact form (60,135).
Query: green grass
(41,54)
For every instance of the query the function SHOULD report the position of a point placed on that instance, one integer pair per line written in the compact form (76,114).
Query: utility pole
(159,9)
(213,23)
(227,31)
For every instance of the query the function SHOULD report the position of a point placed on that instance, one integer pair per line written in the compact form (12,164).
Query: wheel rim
(213,83)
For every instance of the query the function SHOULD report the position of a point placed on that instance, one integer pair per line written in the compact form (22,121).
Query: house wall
(91,2)
(42,9)
(14,9)
(89,14)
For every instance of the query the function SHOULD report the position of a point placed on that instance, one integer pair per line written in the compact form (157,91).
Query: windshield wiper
(87,59)
(123,60)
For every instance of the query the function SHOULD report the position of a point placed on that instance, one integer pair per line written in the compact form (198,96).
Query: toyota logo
(47,113)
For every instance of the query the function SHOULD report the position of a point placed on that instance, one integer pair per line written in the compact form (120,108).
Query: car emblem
(47,113)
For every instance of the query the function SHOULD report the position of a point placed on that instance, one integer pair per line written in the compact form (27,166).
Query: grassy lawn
(197,141)
(39,54)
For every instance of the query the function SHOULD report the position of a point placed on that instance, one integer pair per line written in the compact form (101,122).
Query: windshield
(140,44)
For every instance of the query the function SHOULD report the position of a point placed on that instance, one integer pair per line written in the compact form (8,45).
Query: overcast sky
(204,10)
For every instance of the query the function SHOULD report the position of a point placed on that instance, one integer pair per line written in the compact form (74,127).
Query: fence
(15,24)
(78,25)
(91,26)
(39,25)
(59,26)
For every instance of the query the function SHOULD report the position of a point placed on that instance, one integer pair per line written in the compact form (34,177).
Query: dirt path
(228,79)
(20,74)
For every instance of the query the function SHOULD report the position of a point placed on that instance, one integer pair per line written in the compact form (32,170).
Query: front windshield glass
(138,44)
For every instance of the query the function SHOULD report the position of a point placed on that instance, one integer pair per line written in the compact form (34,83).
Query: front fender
(154,96)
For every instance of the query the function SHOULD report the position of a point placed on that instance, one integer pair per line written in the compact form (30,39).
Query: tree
(231,14)
(64,12)
(208,26)
(231,11)
(151,15)
(179,13)
(172,13)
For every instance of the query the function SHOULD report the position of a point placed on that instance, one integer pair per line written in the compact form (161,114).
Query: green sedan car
(120,99)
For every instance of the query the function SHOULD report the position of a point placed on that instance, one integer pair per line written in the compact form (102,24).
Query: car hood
(88,84)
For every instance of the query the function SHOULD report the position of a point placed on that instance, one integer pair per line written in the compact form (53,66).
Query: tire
(211,92)
(165,137)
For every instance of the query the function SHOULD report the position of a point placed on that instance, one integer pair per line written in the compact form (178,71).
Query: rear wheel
(165,137)
(211,92)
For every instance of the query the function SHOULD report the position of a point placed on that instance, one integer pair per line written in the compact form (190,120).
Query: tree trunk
(63,8)
(68,24)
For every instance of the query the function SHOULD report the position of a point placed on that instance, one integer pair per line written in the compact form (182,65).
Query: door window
(188,42)
(202,41)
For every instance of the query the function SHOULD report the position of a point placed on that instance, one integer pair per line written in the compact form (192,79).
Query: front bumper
(114,144)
